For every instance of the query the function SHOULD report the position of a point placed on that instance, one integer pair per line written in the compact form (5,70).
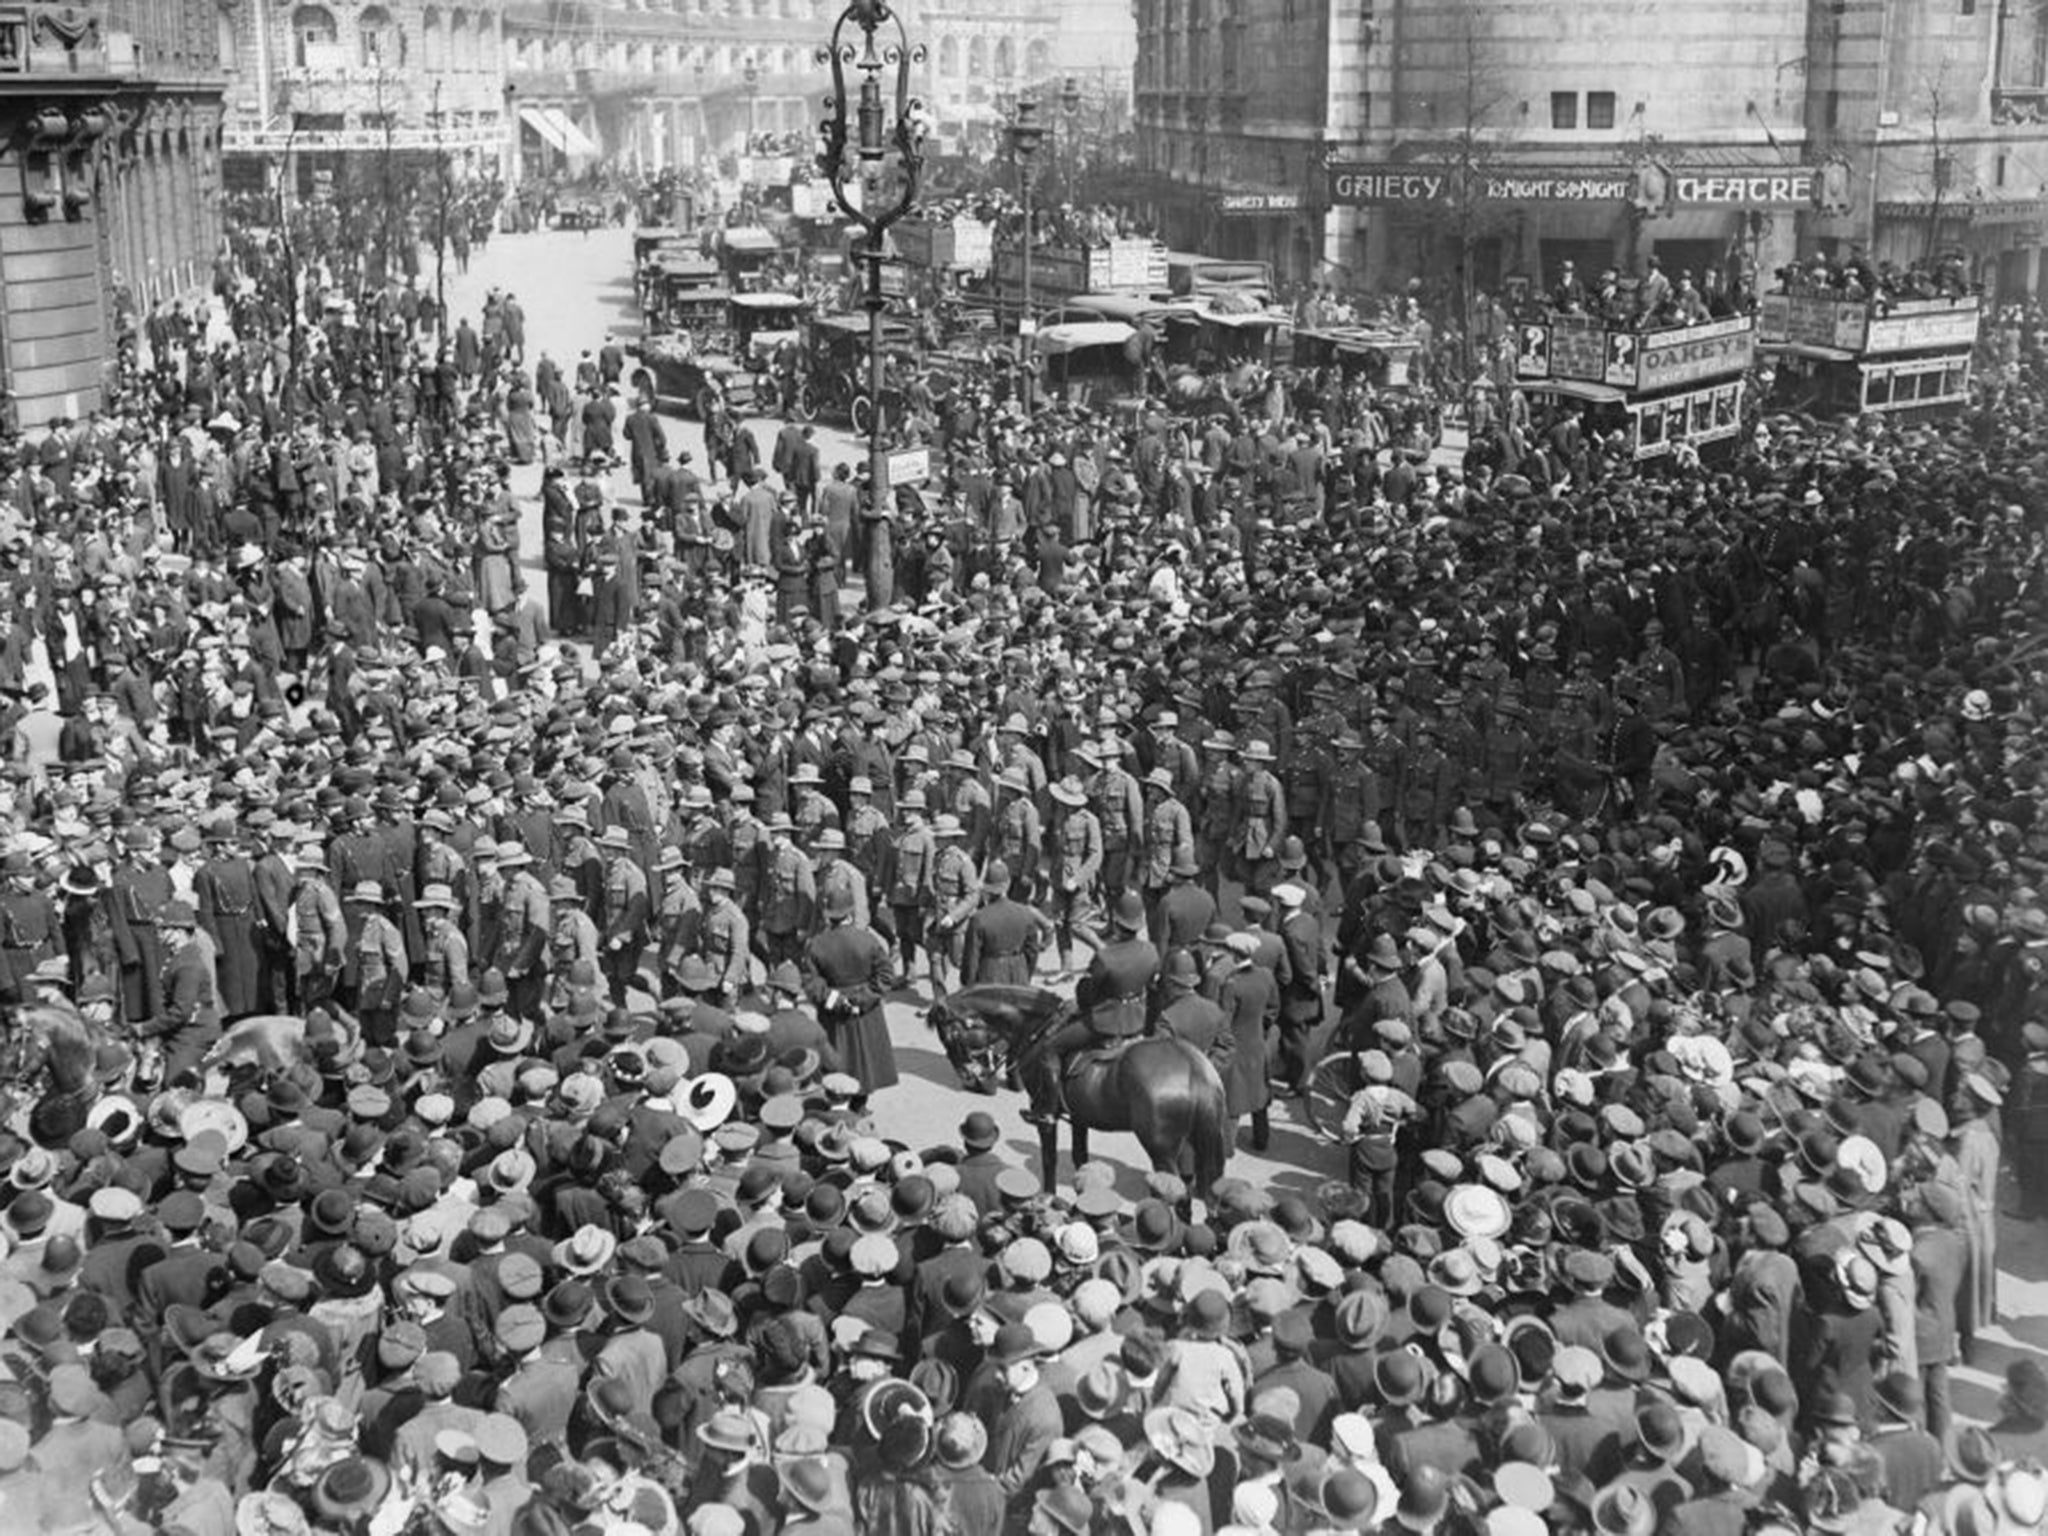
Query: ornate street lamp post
(1070,135)
(1026,134)
(752,76)
(885,120)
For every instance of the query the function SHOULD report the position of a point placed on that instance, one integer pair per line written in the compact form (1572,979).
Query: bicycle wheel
(1330,1087)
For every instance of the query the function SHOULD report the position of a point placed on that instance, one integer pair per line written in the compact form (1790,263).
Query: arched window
(1006,59)
(949,55)
(977,58)
(379,43)
(1039,59)
(461,42)
(433,40)
(314,37)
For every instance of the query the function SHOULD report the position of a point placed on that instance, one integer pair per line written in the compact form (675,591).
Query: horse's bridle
(980,1055)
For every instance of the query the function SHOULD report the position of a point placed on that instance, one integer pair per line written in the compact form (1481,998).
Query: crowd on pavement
(447,1068)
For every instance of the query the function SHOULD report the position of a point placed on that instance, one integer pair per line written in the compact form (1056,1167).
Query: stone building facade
(110,120)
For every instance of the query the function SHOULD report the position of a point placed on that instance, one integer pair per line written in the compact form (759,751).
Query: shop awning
(542,122)
(575,141)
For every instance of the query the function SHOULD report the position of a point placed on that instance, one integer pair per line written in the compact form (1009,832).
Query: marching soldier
(319,931)
(1013,743)
(1351,798)
(1119,809)
(954,889)
(747,841)
(445,964)
(678,917)
(727,942)
(578,858)
(835,871)
(867,842)
(377,966)
(1262,821)
(1165,749)
(910,877)
(1076,866)
(524,929)
(969,801)
(572,937)
(704,843)
(1306,779)
(626,911)
(1215,808)
(789,896)
(1004,937)
(813,811)
(1169,840)
(1018,837)
(1506,755)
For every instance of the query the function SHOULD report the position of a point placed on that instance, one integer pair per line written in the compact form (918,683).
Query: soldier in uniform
(910,877)
(1013,744)
(789,896)
(867,843)
(703,840)
(678,915)
(1112,998)
(812,811)
(1505,755)
(626,912)
(1306,778)
(1076,866)
(573,939)
(1662,676)
(1165,749)
(440,864)
(833,868)
(727,943)
(954,890)
(29,929)
(445,965)
(747,841)
(1215,808)
(1425,788)
(1004,937)
(1169,840)
(1119,811)
(320,937)
(969,801)
(524,928)
(578,860)
(1351,799)
(1262,818)
(375,974)
(1018,838)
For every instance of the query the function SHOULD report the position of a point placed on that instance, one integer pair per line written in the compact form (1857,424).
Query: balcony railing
(248,139)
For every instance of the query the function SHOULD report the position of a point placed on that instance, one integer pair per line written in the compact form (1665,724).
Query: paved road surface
(576,287)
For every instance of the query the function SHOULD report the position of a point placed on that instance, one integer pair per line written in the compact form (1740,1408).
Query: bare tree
(1941,170)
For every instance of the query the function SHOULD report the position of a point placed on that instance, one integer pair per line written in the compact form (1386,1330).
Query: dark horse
(1162,1091)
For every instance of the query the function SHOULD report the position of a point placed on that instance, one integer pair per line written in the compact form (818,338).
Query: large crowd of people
(448,1080)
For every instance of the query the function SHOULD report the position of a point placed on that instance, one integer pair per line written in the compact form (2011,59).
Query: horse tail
(1209,1126)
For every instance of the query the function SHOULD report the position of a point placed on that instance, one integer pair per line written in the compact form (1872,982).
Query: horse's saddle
(1090,1057)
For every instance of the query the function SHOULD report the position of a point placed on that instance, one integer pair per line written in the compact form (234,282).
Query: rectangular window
(1969,7)
(1834,108)
(1599,109)
(1564,109)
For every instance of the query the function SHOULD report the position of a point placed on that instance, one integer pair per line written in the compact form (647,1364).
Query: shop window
(1564,109)
(1599,109)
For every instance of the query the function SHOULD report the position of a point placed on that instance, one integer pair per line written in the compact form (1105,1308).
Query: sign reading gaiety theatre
(1369,184)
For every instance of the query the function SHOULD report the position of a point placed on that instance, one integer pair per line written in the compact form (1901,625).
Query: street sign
(895,280)
(910,466)
(1027,326)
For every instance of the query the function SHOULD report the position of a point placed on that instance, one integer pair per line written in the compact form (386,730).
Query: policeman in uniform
(189,1021)
(29,929)
(1112,998)
(136,893)
(1004,937)
(445,964)
(626,912)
